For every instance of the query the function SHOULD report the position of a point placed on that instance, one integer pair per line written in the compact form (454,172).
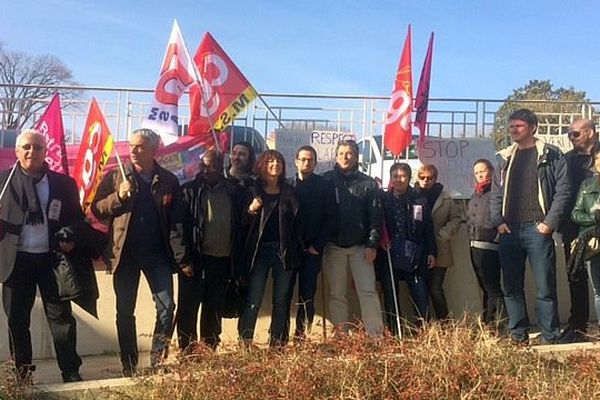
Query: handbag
(405,255)
(235,297)
(591,249)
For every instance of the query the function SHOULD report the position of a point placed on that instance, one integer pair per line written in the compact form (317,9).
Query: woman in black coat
(272,243)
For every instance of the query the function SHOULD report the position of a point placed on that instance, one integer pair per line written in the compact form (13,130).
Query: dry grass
(452,361)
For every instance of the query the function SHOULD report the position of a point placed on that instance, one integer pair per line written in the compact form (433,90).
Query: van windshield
(412,150)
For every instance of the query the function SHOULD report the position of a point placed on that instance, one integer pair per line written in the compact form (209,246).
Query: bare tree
(26,86)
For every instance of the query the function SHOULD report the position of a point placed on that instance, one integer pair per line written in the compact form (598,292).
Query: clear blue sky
(483,49)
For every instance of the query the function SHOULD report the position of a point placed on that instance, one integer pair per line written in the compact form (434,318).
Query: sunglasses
(35,147)
(576,134)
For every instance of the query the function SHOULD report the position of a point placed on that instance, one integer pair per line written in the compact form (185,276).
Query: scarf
(482,187)
(24,196)
(431,194)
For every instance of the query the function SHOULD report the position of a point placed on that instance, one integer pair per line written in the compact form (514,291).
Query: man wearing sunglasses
(583,136)
(529,197)
(36,204)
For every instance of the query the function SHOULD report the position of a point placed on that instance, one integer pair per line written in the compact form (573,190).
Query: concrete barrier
(99,336)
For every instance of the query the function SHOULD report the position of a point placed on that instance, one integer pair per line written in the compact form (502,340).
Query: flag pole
(270,110)
(12,172)
(394,293)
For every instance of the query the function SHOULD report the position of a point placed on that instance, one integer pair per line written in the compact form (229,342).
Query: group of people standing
(225,231)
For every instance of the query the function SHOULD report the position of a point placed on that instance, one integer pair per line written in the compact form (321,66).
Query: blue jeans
(266,259)
(157,270)
(523,242)
(307,287)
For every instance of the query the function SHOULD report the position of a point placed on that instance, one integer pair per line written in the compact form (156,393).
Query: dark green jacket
(588,200)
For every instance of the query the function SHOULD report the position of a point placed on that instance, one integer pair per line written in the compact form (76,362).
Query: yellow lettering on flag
(236,107)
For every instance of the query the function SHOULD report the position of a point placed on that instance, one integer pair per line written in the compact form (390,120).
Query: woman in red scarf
(484,247)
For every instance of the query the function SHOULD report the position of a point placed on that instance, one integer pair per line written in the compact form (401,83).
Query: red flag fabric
(51,126)
(398,128)
(226,91)
(94,151)
(422,100)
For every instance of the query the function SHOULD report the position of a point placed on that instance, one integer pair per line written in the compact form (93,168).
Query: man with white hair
(138,210)
(35,205)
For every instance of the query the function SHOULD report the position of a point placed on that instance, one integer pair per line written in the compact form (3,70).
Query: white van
(371,161)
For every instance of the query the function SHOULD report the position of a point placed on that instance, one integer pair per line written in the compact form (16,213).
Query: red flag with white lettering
(422,99)
(94,151)
(223,92)
(176,74)
(51,126)
(398,128)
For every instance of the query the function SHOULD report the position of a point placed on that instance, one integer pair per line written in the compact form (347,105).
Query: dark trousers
(418,293)
(267,259)
(18,296)
(209,290)
(578,290)
(157,269)
(189,296)
(435,284)
(217,271)
(307,287)
(486,264)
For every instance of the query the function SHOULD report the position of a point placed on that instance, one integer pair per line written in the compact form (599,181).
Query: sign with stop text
(454,160)
(94,151)
(288,141)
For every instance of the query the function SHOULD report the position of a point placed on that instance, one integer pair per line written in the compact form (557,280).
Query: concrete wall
(99,336)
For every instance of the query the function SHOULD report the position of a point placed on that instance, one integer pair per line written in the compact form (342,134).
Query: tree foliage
(556,108)
(25,86)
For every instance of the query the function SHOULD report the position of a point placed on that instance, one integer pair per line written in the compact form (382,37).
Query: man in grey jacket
(530,193)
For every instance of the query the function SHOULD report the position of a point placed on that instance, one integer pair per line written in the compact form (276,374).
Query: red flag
(94,151)
(422,100)
(398,129)
(51,126)
(226,91)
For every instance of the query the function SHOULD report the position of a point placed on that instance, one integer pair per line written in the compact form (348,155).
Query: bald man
(583,136)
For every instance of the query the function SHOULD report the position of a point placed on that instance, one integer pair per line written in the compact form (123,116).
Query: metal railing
(362,115)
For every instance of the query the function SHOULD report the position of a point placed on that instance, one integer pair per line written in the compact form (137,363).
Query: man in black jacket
(317,215)
(35,206)
(353,247)
(583,136)
(204,238)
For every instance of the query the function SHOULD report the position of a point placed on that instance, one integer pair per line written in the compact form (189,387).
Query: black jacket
(420,230)
(74,271)
(187,227)
(479,219)
(580,167)
(317,210)
(62,194)
(290,244)
(359,209)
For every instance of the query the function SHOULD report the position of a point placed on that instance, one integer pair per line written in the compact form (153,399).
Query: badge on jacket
(54,209)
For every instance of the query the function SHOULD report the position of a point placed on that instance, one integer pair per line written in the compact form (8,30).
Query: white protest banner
(287,142)
(454,160)
(560,141)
